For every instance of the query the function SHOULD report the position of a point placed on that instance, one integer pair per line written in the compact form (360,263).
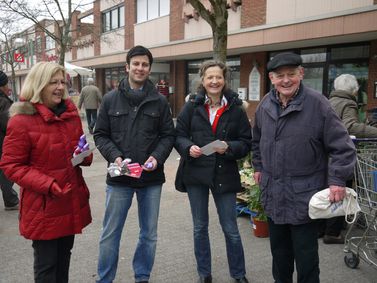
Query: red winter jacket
(37,151)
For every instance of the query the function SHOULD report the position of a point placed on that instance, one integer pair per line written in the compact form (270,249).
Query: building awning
(74,70)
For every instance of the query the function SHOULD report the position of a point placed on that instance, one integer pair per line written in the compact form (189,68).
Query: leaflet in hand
(128,169)
(208,149)
(79,158)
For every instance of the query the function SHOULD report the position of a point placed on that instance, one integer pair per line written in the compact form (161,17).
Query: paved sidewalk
(175,260)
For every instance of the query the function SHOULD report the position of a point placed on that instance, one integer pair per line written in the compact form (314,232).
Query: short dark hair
(137,51)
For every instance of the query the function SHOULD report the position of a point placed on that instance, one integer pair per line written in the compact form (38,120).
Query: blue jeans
(226,210)
(118,202)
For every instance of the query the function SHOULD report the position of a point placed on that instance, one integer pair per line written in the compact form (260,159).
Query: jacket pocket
(118,120)
(303,191)
(151,119)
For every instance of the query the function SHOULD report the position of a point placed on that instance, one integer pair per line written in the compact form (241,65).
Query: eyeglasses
(56,83)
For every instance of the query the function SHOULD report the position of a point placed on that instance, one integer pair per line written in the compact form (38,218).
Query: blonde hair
(38,78)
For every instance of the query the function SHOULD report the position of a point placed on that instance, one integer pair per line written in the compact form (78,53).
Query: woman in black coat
(216,113)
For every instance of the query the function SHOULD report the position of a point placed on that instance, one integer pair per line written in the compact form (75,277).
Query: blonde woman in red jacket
(42,135)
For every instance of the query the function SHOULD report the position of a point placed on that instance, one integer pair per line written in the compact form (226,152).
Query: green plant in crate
(254,202)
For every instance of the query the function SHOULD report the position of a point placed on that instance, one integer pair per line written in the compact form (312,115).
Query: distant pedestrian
(91,97)
(300,146)
(10,196)
(134,122)
(42,136)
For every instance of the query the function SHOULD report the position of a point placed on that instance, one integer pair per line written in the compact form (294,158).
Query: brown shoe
(328,239)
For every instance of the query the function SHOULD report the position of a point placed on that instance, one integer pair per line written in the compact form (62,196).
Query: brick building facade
(333,37)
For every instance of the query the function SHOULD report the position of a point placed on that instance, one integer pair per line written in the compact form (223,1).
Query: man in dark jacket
(134,122)
(10,196)
(300,146)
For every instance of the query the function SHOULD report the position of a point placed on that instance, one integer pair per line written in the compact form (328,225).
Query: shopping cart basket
(361,237)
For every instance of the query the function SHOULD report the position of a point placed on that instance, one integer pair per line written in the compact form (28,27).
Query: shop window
(314,55)
(314,78)
(349,52)
(112,78)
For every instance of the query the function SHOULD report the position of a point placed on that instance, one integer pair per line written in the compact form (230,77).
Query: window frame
(108,23)
(146,17)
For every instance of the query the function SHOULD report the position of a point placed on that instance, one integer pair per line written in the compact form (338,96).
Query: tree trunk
(220,42)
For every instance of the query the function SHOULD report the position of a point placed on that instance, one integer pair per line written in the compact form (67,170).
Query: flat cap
(284,59)
(3,79)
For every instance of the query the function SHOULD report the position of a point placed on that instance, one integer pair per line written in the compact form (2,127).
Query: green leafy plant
(254,202)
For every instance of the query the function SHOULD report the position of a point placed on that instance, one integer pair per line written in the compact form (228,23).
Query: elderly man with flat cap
(10,196)
(300,147)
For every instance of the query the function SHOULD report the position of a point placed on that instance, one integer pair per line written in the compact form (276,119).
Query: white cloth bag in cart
(321,207)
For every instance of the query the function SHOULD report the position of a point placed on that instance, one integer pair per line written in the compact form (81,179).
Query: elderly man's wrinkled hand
(257,177)
(337,193)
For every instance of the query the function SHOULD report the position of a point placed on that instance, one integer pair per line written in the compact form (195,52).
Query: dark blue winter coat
(299,151)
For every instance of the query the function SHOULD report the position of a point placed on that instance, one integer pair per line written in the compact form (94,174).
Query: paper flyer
(208,149)
(80,157)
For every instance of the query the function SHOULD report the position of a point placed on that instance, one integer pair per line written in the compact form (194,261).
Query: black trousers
(331,226)
(294,243)
(10,196)
(51,259)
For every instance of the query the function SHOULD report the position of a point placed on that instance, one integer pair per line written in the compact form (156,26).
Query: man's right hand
(58,192)
(118,161)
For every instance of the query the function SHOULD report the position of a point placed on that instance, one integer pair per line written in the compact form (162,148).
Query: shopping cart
(361,237)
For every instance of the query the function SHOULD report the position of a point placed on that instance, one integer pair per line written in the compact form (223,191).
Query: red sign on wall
(18,57)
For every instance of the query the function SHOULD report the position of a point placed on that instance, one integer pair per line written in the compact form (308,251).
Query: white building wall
(198,28)
(85,51)
(107,4)
(278,11)
(152,32)
(112,42)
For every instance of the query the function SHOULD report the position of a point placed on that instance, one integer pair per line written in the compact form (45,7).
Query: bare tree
(217,18)
(8,47)
(57,11)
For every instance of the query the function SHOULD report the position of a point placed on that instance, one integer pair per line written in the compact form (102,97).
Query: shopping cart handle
(358,140)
